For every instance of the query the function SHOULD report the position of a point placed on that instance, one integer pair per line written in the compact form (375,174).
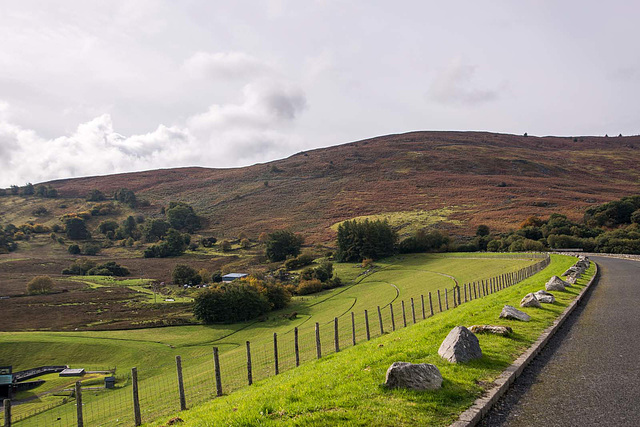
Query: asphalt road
(589,372)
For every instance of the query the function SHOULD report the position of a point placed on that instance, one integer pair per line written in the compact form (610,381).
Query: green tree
(365,239)
(482,230)
(155,230)
(281,244)
(184,275)
(76,229)
(230,303)
(28,189)
(96,196)
(74,249)
(181,216)
(126,196)
(40,285)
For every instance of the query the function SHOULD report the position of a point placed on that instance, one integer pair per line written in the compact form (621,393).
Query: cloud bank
(256,129)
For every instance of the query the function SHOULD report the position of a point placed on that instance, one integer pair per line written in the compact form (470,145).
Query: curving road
(589,372)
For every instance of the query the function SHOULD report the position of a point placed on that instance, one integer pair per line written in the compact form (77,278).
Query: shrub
(74,249)
(155,230)
(208,242)
(95,196)
(306,287)
(298,262)
(107,226)
(245,243)
(80,267)
(40,211)
(76,228)
(91,249)
(173,245)
(230,303)
(40,285)
(181,216)
(126,196)
(110,268)
(225,246)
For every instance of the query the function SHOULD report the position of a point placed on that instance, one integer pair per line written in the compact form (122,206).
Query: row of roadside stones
(461,344)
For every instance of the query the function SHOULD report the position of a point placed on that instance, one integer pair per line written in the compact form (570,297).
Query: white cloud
(257,129)
(226,65)
(454,85)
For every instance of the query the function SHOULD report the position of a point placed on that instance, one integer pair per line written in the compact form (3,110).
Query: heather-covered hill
(453,180)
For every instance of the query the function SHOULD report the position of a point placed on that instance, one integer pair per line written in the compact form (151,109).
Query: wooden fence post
(439,301)
(413,311)
(318,347)
(7,412)
(336,337)
(249,372)
(393,319)
(465,292)
(366,322)
(430,304)
(446,298)
(276,364)
(216,368)
(79,404)
(183,400)
(424,313)
(475,291)
(459,300)
(380,320)
(296,347)
(353,328)
(404,315)
(137,417)
(455,301)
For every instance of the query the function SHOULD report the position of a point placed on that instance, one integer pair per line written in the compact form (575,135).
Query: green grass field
(153,350)
(347,388)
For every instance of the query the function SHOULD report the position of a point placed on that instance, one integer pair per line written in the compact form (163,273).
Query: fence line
(200,378)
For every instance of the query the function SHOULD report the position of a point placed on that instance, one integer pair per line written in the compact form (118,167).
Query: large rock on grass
(556,284)
(510,312)
(545,297)
(505,331)
(460,346)
(421,376)
(530,300)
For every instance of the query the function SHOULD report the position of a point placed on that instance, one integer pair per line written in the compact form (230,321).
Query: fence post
(475,291)
(439,301)
(318,347)
(465,292)
(459,301)
(275,353)
(393,319)
(366,322)
(79,404)
(249,372)
(455,301)
(7,412)
(183,400)
(446,298)
(413,311)
(296,347)
(336,337)
(136,400)
(430,304)
(380,320)
(216,368)
(424,314)
(353,328)
(404,315)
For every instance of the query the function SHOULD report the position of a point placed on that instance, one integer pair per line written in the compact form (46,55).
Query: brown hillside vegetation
(480,178)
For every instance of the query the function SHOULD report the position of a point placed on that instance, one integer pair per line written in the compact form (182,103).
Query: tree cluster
(281,244)
(358,240)
(84,267)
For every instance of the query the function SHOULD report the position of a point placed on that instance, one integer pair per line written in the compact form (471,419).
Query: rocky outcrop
(530,300)
(556,284)
(510,312)
(545,297)
(460,346)
(421,376)
(491,329)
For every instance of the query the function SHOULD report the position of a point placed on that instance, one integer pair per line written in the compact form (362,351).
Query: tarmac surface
(589,372)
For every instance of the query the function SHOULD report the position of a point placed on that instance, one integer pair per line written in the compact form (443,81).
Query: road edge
(482,405)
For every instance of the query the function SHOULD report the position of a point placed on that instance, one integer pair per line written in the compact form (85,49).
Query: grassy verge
(346,387)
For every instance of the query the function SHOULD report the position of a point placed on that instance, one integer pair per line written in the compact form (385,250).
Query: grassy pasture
(346,388)
(153,350)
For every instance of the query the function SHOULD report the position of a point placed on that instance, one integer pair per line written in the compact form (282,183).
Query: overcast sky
(95,87)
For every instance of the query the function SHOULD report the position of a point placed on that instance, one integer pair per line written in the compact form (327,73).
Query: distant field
(153,350)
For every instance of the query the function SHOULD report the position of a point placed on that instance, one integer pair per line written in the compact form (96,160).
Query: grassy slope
(153,349)
(346,388)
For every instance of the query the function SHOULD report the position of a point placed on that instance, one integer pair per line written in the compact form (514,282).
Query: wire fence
(142,395)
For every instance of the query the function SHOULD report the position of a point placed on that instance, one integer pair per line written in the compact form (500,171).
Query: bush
(306,287)
(76,228)
(40,285)
(225,246)
(422,241)
(80,267)
(155,230)
(126,196)
(230,303)
(181,216)
(281,244)
(173,245)
(74,249)
(107,226)
(184,275)
(95,196)
(40,211)
(91,249)
(208,242)
(298,262)
(110,268)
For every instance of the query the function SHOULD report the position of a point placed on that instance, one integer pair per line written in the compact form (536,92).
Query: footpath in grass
(346,388)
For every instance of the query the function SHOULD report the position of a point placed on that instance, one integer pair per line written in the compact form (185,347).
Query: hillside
(452,180)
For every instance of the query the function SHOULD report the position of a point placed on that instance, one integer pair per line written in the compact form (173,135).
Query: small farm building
(233,276)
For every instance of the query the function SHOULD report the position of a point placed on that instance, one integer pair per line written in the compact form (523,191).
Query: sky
(97,87)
